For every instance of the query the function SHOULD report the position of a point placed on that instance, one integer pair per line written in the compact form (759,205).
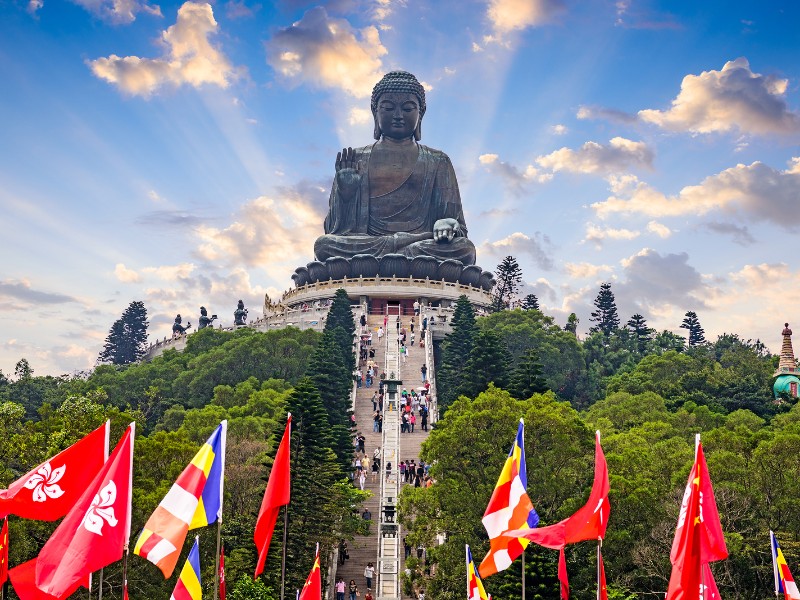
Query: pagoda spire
(786,376)
(787,363)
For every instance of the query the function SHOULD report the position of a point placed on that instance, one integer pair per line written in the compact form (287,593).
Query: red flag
(125,590)
(96,530)
(312,589)
(222,573)
(698,535)
(588,523)
(276,495)
(710,591)
(4,552)
(562,575)
(49,491)
(602,593)
(23,577)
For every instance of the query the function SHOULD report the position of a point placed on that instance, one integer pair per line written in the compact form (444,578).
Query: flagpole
(125,570)
(523,574)
(286,516)
(216,568)
(599,543)
(100,586)
(774,560)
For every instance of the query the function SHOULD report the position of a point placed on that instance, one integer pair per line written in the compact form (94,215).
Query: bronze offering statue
(240,314)
(395,196)
(205,320)
(177,328)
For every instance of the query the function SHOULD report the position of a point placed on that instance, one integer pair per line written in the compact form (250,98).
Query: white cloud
(515,179)
(118,12)
(753,191)
(597,235)
(661,282)
(126,275)
(619,155)
(274,233)
(327,53)
(585,270)
(189,58)
(34,5)
(359,116)
(559,129)
(734,98)
(512,15)
(518,243)
(659,229)
(740,234)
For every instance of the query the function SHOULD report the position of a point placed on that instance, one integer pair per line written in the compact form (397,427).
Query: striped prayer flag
(475,589)
(189,586)
(509,508)
(195,500)
(784,582)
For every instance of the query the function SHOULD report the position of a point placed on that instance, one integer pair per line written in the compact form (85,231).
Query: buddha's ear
(418,130)
(376,133)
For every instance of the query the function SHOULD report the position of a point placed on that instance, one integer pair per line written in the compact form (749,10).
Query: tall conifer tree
(606,315)
(696,332)
(456,351)
(126,342)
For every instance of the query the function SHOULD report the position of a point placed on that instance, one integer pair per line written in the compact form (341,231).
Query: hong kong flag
(96,530)
(50,490)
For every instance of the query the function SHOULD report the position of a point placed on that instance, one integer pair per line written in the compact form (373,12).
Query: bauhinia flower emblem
(44,482)
(102,509)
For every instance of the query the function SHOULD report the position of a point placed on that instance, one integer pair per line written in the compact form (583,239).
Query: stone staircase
(365,549)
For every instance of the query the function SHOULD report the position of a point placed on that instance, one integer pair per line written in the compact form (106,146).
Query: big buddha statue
(395,196)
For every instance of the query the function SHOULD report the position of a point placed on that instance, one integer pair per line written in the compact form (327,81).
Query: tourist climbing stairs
(383,545)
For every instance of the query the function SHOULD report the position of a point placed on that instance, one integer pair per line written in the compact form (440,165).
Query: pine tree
(606,315)
(530,302)
(527,379)
(127,340)
(488,363)
(332,376)
(342,326)
(509,277)
(316,477)
(456,350)
(642,334)
(572,324)
(696,332)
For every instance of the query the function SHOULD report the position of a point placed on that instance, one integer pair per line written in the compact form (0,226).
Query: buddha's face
(398,115)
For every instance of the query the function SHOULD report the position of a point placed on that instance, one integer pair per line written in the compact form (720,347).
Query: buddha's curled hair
(402,82)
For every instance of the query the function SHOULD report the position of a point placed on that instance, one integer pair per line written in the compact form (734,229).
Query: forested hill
(647,392)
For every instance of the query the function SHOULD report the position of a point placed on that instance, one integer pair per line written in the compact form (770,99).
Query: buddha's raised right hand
(348,172)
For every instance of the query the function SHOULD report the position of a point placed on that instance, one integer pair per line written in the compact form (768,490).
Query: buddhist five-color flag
(784,582)
(222,585)
(509,508)
(475,590)
(49,491)
(188,586)
(277,494)
(195,500)
(312,589)
(96,530)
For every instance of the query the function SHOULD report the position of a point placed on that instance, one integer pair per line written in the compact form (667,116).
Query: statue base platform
(393,266)
(377,293)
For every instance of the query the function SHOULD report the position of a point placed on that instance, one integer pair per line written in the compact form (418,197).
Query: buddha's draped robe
(401,221)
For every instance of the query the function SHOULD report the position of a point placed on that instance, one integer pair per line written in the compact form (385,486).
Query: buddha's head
(398,105)
(203,311)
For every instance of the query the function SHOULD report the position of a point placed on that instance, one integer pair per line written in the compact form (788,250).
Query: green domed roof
(783,384)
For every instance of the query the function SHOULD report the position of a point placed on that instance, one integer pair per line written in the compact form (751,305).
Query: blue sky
(182,153)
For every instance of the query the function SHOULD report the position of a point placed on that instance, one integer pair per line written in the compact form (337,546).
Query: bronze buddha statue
(396,196)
